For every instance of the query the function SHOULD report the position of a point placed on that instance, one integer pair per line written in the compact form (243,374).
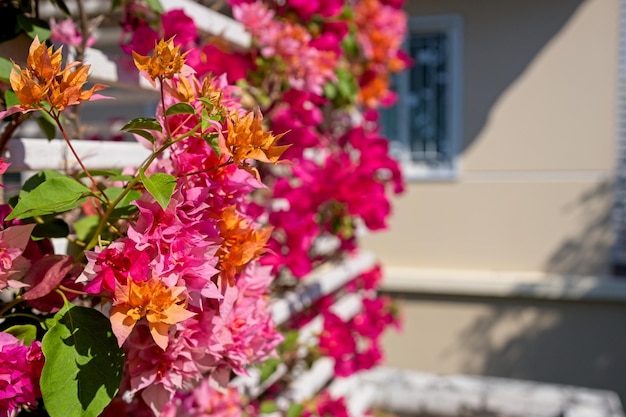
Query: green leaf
(180,108)
(295,410)
(161,186)
(10,99)
(268,367)
(205,124)
(50,322)
(290,341)
(142,123)
(53,196)
(155,5)
(52,228)
(101,173)
(49,129)
(85,227)
(267,407)
(143,133)
(25,332)
(207,103)
(123,207)
(36,180)
(330,91)
(113,192)
(214,143)
(346,85)
(350,45)
(84,364)
(122,178)
(6,67)
(33,27)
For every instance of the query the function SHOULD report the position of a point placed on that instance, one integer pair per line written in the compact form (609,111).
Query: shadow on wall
(501,39)
(559,342)
(589,251)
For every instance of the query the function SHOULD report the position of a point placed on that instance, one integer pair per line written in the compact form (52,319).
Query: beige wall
(534,189)
(569,343)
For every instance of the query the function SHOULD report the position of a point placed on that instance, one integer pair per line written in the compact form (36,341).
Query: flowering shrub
(164,295)
(171,255)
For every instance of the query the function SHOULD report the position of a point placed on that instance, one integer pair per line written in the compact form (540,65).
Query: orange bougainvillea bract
(43,83)
(166,61)
(160,305)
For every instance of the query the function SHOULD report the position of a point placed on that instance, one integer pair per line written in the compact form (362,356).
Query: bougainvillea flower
(325,8)
(142,38)
(219,59)
(325,405)
(20,370)
(242,243)
(43,81)
(66,32)
(206,401)
(336,339)
(248,140)
(166,62)
(107,267)
(13,266)
(3,168)
(160,305)
(180,27)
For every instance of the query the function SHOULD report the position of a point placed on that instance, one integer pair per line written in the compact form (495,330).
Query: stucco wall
(534,187)
(539,340)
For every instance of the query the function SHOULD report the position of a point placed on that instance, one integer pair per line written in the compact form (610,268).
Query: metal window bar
(428,98)
(417,125)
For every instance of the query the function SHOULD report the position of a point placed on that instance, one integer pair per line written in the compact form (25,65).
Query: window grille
(424,124)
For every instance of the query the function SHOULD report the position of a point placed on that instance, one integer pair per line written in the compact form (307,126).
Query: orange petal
(121,324)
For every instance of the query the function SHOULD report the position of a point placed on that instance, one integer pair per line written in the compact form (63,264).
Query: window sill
(419,173)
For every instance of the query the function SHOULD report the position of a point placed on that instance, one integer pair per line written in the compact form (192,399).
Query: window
(425,125)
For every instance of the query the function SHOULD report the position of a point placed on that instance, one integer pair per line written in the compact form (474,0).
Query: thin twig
(56,118)
(72,291)
(8,306)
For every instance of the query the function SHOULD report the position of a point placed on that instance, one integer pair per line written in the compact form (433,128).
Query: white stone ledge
(505,284)
(210,21)
(418,393)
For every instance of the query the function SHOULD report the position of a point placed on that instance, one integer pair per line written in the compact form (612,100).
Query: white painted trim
(324,280)
(502,176)
(213,22)
(39,154)
(505,284)
(205,18)
(105,69)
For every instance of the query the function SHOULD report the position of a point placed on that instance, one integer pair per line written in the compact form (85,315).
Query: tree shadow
(501,39)
(589,251)
(571,343)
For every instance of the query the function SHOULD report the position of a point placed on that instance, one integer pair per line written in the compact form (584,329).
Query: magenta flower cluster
(20,369)
(215,223)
